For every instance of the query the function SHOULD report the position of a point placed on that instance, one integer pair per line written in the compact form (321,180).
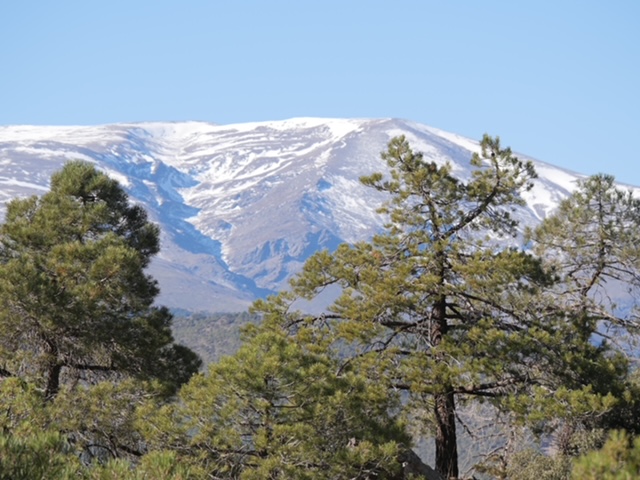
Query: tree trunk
(444,400)
(446,439)
(54,369)
(53,381)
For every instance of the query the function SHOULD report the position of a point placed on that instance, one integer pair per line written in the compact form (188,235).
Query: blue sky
(557,80)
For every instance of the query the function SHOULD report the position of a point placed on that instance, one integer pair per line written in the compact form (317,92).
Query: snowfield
(242,206)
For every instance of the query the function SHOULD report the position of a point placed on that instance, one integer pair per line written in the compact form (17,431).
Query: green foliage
(29,447)
(531,464)
(445,311)
(591,244)
(153,466)
(100,419)
(21,408)
(527,460)
(87,432)
(80,341)
(619,459)
(49,456)
(37,456)
(435,315)
(279,409)
(433,302)
(75,302)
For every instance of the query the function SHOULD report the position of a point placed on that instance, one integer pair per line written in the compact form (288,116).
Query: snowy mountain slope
(242,206)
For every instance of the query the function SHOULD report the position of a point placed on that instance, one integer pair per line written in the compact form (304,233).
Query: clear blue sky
(558,80)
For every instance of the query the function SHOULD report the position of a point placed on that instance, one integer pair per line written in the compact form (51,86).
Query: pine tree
(591,245)
(280,409)
(75,301)
(446,310)
(618,459)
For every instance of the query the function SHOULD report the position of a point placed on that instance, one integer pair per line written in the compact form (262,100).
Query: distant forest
(211,334)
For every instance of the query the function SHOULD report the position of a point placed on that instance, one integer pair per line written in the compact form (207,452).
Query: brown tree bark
(444,401)
(446,437)
(53,381)
(54,369)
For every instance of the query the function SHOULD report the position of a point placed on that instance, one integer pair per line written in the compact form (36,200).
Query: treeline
(212,335)
(440,315)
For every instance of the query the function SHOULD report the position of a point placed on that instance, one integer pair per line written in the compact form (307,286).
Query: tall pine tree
(446,310)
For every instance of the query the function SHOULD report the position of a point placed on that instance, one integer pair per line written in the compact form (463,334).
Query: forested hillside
(443,314)
(211,335)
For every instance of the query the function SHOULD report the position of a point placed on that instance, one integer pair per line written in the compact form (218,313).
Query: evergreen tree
(79,435)
(618,459)
(75,301)
(40,455)
(280,409)
(591,245)
(447,311)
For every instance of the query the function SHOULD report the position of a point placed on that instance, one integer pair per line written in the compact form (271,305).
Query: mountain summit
(241,207)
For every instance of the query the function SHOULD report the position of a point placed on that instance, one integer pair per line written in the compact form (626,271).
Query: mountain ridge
(242,206)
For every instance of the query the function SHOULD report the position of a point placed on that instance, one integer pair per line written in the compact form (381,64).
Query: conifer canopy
(75,301)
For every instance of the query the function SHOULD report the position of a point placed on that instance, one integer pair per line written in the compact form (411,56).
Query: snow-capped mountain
(242,206)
